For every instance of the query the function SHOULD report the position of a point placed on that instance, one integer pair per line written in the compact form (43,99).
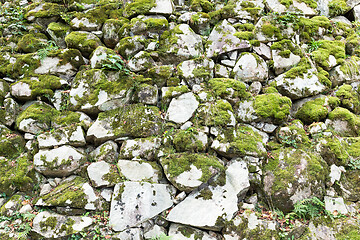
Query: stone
(182,232)
(73,192)
(282,64)
(147,94)
(182,108)
(58,162)
(137,120)
(72,135)
(107,152)
(100,56)
(86,42)
(335,204)
(139,171)
(196,71)
(222,40)
(140,148)
(221,198)
(12,109)
(102,174)
(140,62)
(165,7)
(52,225)
(134,203)
(250,67)
(129,234)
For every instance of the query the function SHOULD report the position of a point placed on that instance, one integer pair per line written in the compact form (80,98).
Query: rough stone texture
(222,200)
(61,226)
(182,108)
(58,162)
(138,171)
(133,203)
(73,135)
(250,67)
(140,148)
(102,174)
(107,152)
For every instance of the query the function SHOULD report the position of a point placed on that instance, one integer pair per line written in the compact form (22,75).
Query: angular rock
(147,94)
(52,225)
(140,148)
(84,41)
(187,171)
(196,71)
(140,171)
(219,113)
(72,135)
(140,62)
(58,162)
(100,56)
(103,174)
(134,203)
(73,192)
(250,67)
(165,7)
(182,232)
(107,152)
(135,120)
(335,204)
(182,108)
(222,40)
(221,197)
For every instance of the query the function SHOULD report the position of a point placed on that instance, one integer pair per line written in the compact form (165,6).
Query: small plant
(115,62)
(48,47)
(288,141)
(287,18)
(354,164)
(161,237)
(314,45)
(308,209)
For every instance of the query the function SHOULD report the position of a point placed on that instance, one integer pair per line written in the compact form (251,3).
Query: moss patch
(272,105)
(228,88)
(312,111)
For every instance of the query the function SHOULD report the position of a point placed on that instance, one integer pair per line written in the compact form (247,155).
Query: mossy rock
(219,113)
(16,175)
(293,135)
(309,28)
(349,185)
(112,30)
(73,192)
(11,143)
(102,87)
(342,115)
(290,171)
(239,141)
(138,7)
(160,74)
(312,111)
(83,41)
(327,50)
(58,32)
(229,89)
(43,85)
(352,45)
(189,170)
(134,120)
(129,46)
(190,140)
(338,7)
(349,98)
(44,10)
(273,106)
(24,65)
(30,43)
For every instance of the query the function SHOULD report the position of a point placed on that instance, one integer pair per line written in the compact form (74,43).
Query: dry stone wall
(179,119)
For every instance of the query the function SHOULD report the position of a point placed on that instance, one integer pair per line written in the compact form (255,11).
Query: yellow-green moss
(272,105)
(286,45)
(327,48)
(201,6)
(286,3)
(353,120)
(338,7)
(186,141)
(80,41)
(221,88)
(138,7)
(246,35)
(215,114)
(348,97)
(43,85)
(312,111)
(270,30)
(47,10)
(30,43)
(50,222)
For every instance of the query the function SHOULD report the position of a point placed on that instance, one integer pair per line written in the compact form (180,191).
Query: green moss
(221,87)
(286,45)
(175,91)
(186,141)
(245,26)
(156,24)
(226,12)
(312,111)
(310,27)
(270,30)
(69,193)
(138,7)
(47,10)
(11,144)
(42,85)
(350,66)
(40,112)
(30,43)
(201,6)
(50,222)
(135,120)
(353,120)
(246,35)
(348,97)
(15,175)
(286,3)
(180,162)
(68,226)
(310,3)
(59,29)
(24,65)
(327,48)
(299,70)
(216,114)
(83,41)
(272,105)
(338,7)
(205,194)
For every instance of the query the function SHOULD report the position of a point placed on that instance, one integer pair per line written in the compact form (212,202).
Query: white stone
(96,172)
(335,204)
(138,171)
(137,203)
(250,67)
(182,108)
(335,173)
(163,7)
(175,232)
(194,210)
(21,90)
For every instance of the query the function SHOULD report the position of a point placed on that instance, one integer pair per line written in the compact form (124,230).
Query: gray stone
(107,152)
(250,67)
(138,171)
(182,108)
(165,7)
(58,162)
(182,232)
(140,62)
(134,203)
(72,135)
(335,205)
(140,148)
(222,200)
(102,174)
(62,225)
